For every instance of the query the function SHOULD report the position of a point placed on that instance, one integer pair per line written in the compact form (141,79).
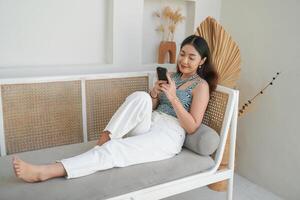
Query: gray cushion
(101,185)
(204,141)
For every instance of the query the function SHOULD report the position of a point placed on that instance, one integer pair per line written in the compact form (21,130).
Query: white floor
(243,190)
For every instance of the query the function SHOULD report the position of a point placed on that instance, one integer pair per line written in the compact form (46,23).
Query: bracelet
(152,96)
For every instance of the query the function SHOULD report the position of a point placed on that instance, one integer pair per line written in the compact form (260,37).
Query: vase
(165,48)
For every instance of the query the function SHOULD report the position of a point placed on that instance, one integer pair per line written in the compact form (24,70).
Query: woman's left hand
(169,88)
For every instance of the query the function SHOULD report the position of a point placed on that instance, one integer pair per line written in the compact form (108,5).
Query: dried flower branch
(169,21)
(250,101)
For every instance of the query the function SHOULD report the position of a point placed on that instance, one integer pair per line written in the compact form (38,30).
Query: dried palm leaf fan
(225,55)
(224,51)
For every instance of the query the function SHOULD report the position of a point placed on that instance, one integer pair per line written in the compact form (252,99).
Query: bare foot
(104,137)
(28,172)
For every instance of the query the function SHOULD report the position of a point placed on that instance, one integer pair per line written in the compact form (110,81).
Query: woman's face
(189,60)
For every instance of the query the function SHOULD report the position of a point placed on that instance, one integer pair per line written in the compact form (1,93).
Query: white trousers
(138,135)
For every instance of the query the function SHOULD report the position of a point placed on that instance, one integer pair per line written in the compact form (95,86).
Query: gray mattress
(101,185)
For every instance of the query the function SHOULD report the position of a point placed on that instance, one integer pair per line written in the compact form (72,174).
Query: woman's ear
(202,61)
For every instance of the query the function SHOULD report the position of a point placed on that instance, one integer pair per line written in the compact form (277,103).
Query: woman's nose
(185,60)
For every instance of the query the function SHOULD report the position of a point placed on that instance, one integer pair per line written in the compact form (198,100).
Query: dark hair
(207,70)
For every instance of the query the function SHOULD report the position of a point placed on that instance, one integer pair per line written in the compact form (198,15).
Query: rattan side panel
(215,111)
(103,98)
(41,115)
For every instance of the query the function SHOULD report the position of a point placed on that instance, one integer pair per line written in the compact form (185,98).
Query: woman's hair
(207,70)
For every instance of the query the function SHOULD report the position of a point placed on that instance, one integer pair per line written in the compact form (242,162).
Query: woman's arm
(154,93)
(190,121)
(155,100)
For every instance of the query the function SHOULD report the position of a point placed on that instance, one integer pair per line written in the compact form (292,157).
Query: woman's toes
(18,173)
(16,161)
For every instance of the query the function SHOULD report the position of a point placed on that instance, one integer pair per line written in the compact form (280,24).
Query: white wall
(268,135)
(50,32)
(127,31)
(78,32)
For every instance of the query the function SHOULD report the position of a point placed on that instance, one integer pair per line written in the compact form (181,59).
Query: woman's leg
(103,138)
(36,173)
(163,141)
(134,116)
(138,108)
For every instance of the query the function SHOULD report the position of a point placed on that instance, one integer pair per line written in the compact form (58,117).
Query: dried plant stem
(250,101)
(169,20)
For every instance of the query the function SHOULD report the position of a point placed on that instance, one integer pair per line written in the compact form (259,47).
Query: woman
(154,124)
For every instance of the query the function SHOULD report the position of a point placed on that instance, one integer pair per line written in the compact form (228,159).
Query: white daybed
(155,180)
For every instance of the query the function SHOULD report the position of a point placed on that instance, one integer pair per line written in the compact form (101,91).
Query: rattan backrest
(104,96)
(215,112)
(41,115)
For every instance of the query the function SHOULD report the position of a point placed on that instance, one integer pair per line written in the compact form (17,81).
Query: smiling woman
(156,126)
(194,57)
(187,95)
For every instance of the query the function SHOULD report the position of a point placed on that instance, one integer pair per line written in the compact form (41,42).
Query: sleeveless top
(184,95)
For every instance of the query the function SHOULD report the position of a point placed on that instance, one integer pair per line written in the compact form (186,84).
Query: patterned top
(184,95)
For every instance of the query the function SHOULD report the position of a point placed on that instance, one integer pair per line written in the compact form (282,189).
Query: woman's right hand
(157,88)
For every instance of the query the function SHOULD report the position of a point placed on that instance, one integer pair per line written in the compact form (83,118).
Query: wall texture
(268,135)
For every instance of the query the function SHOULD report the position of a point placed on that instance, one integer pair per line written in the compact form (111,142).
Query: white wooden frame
(170,188)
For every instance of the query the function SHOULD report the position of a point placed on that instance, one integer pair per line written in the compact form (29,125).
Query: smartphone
(162,73)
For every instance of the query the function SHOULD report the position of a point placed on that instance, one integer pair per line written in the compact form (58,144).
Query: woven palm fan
(224,51)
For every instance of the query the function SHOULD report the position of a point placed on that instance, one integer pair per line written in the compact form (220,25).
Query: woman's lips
(183,66)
